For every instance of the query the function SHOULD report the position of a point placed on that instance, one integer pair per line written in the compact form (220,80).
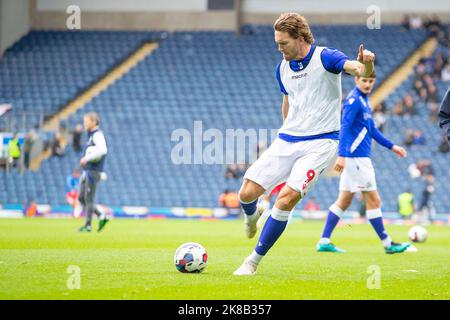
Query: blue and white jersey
(313,87)
(358,127)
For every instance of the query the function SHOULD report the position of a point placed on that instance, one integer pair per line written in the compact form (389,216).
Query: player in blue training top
(353,162)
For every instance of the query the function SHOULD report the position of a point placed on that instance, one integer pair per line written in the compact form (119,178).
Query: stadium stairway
(402,73)
(82,99)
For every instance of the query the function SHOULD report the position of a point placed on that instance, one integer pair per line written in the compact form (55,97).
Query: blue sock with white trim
(274,227)
(334,215)
(249,208)
(376,220)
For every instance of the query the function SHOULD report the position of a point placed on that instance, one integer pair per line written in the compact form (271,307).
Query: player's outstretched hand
(339,165)
(365,56)
(400,151)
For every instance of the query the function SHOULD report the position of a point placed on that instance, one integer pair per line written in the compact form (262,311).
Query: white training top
(314,96)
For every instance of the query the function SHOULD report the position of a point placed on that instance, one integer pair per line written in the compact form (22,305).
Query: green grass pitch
(133,259)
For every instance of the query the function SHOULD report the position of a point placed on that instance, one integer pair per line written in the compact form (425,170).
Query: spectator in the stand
(14,150)
(420,167)
(439,64)
(420,71)
(408,105)
(229,199)
(423,94)
(57,147)
(433,24)
(431,92)
(445,73)
(232,171)
(241,168)
(433,112)
(27,146)
(235,171)
(379,116)
(419,138)
(418,84)
(312,205)
(76,138)
(443,40)
(415,22)
(414,170)
(381,107)
(405,22)
(428,80)
(398,108)
(426,168)
(409,138)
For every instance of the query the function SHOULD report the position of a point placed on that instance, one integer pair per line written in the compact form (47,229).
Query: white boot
(246,269)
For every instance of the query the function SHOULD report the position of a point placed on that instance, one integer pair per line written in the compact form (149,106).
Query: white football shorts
(299,164)
(358,175)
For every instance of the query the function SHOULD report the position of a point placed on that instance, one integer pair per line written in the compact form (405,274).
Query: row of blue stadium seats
(155,77)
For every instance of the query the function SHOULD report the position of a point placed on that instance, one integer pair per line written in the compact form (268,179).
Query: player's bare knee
(288,199)
(246,194)
(250,191)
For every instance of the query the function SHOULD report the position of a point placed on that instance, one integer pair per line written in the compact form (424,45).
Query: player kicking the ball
(310,78)
(353,162)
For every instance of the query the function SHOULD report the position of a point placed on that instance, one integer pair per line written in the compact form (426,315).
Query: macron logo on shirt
(298,76)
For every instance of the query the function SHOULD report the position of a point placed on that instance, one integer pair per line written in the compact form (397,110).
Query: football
(418,234)
(191,257)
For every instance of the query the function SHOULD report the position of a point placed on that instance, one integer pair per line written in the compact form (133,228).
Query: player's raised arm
(364,66)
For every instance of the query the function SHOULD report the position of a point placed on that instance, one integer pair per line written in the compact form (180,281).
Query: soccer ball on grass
(418,234)
(191,257)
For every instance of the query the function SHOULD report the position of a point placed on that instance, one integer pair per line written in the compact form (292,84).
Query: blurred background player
(72,186)
(357,131)
(406,204)
(14,150)
(76,138)
(309,76)
(426,208)
(93,164)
